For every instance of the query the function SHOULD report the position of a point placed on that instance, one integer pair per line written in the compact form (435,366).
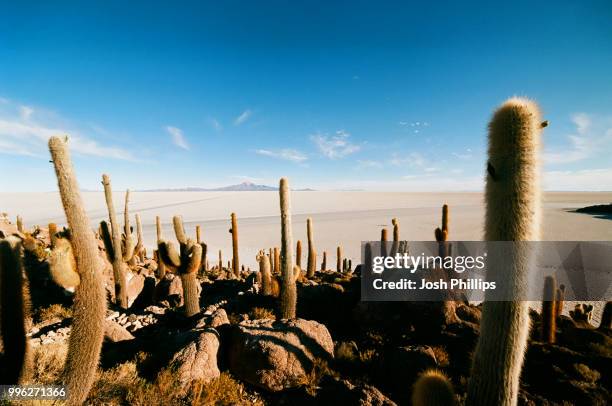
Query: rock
(276,355)
(216,319)
(112,315)
(342,392)
(135,286)
(197,359)
(155,310)
(115,333)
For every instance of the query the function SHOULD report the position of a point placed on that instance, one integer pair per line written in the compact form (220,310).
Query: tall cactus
(119,268)
(324,261)
(20,227)
(89,309)
(549,314)
(383,243)
(512,214)
(298,253)
(396,236)
(235,259)
(204,261)
(288,294)
(12,313)
(277,261)
(339,259)
(266,274)
(161,267)
(186,264)
(560,300)
(220,265)
(312,253)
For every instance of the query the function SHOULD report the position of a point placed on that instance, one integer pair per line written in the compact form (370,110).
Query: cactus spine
(312,253)
(119,269)
(512,214)
(549,325)
(89,309)
(235,260)
(12,313)
(339,259)
(288,294)
(186,264)
(433,388)
(298,253)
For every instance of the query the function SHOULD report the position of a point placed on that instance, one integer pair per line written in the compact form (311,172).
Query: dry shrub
(441,356)
(48,363)
(319,370)
(53,312)
(221,391)
(261,313)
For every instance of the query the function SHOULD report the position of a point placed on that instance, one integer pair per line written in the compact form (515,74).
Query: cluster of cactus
(185,262)
(89,309)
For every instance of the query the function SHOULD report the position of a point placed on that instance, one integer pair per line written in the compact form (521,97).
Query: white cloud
(242,118)
(593,136)
(336,146)
(413,160)
(366,163)
(21,134)
(25,112)
(285,154)
(177,137)
(216,124)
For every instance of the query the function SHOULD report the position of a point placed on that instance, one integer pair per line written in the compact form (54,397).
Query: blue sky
(370,95)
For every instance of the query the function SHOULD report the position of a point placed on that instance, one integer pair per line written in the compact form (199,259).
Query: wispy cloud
(242,118)
(413,160)
(464,155)
(335,146)
(415,126)
(287,154)
(216,124)
(367,163)
(592,136)
(177,137)
(23,132)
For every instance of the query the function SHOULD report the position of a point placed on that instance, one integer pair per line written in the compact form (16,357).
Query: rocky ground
(339,350)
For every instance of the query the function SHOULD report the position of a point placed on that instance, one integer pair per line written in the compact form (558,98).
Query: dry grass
(47,363)
(261,313)
(441,356)
(53,313)
(221,391)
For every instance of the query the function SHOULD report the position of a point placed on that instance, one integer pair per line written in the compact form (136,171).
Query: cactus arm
(177,221)
(168,254)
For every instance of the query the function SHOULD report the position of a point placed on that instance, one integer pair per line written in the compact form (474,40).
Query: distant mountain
(242,187)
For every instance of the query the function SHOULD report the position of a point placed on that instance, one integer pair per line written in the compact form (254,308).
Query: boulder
(276,355)
(342,392)
(197,358)
(115,333)
(217,319)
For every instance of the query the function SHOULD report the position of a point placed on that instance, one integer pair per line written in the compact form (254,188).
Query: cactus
(272,265)
(204,261)
(345,265)
(186,264)
(396,237)
(288,293)
(161,268)
(441,234)
(383,243)
(116,256)
(89,309)
(606,317)
(549,325)
(433,388)
(235,260)
(312,253)
(560,298)
(12,313)
(367,258)
(266,274)
(20,227)
(324,261)
(62,264)
(339,259)
(512,214)
(297,273)
(277,261)
(298,253)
